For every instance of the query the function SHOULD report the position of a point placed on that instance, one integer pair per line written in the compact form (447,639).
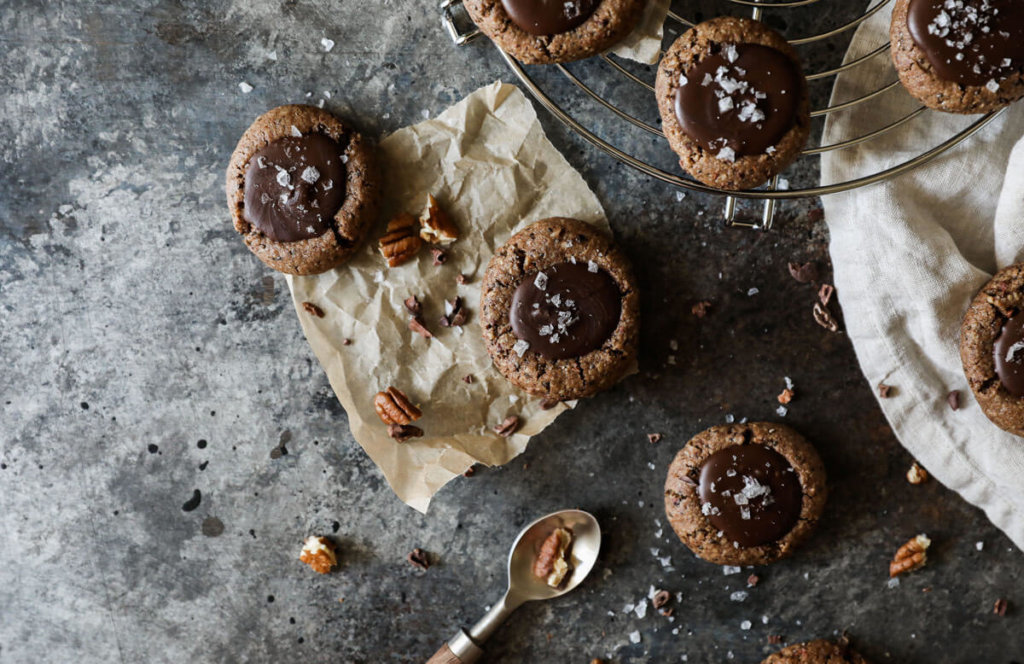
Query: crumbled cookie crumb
(313,310)
(917,474)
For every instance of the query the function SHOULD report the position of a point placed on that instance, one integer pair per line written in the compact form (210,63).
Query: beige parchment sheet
(489,164)
(644,43)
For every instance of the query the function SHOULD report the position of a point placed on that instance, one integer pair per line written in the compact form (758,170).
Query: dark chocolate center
(740,100)
(750,493)
(294,186)
(1008,352)
(567,310)
(973,42)
(549,17)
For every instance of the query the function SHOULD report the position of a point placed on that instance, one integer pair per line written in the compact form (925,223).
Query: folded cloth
(909,255)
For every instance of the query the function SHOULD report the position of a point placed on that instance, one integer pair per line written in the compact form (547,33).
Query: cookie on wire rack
(549,31)
(733,102)
(960,57)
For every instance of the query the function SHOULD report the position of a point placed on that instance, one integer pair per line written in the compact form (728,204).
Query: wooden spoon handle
(445,656)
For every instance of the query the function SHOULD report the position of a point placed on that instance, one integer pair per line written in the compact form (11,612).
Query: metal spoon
(523,586)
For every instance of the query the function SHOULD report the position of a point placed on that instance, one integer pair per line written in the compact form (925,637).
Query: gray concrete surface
(146,355)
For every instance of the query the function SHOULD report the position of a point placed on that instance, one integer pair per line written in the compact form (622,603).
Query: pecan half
(313,310)
(508,427)
(911,556)
(401,242)
(403,432)
(393,407)
(454,313)
(436,225)
(552,563)
(917,474)
(419,558)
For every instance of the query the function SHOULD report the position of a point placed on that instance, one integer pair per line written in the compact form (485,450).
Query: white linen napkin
(909,254)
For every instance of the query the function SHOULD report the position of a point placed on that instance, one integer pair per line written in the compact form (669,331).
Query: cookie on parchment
(733,102)
(745,494)
(960,57)
(816,652)
(547,31)
(303,189)
(992,348)
(560,310)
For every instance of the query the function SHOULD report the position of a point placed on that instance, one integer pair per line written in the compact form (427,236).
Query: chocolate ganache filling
(972,42)
(1008,352)
(740,100)
(549,17)
(566,310)
(294,186)
(750,493)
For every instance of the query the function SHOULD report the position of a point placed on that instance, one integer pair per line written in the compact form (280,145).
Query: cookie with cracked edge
(611,348)
(609,23)
(816,652)
(998,305)
(919,76)
(342,231)
(693,47)
(689,517)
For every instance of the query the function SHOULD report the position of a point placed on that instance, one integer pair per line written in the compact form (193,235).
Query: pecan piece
(911,556)
(825,293)
(313,310)
(884,390)
(917,474)
(654,438)
(804,272)
(660,599)
(400,243)
(436,225)
(461,279)
(552,562)
(319,554)
(953,399)
(393,407)
(419,558)
(700,309)
(440,256)
(412,304)
(417,325)
(403,432)
(786,396)
(823,318)
(508,427)
(468,379)
(454,313)
(1000,607)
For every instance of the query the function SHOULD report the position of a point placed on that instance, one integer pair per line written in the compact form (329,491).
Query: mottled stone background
(147,355)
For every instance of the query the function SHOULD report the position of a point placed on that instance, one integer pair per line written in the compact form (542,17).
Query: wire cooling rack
(461,30)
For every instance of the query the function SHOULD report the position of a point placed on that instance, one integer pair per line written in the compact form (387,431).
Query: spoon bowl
(586,544)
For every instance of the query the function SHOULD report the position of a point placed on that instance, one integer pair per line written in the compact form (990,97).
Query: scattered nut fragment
(417,325)
(804,272)
(1000,607)
(461,279)
(823,318)
(825,293)
(660,599)
(953,399)
(393,407)
(917,474)
(700,309)
(508,427)
(400,243)
(911,556)
(319,554)
(884,390)
(786,396)
(468,379)
(313,310)
(436,226)
(454,313)
(403,432)
(654,438)
(346,342)
(752,580)
(552,562)
(412,304)
(469,472)
(419,558)
(439,255)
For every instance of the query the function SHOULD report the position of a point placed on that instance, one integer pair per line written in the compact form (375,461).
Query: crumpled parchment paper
(487,161)
(644,43)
